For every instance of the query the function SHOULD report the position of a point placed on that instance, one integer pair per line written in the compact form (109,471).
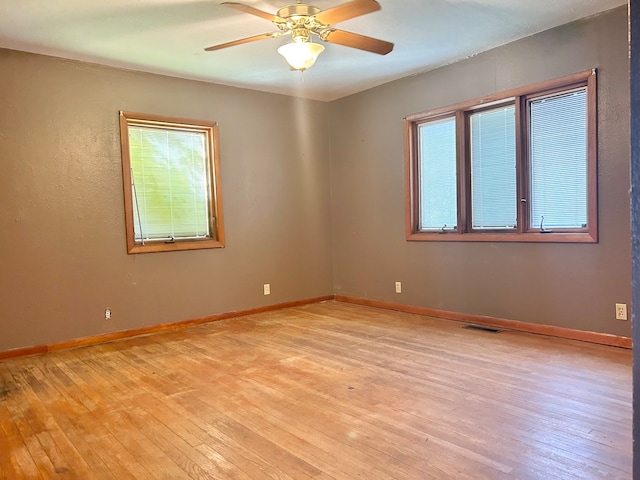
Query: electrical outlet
(107,313)
(266,289)
(398,287)
(621,311)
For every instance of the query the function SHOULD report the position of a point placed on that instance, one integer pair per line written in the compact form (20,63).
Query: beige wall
(568,285)
(63,253)
(313,193)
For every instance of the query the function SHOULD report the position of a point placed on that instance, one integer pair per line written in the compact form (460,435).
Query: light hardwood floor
(325,391)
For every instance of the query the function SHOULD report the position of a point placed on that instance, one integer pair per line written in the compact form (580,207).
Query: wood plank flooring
(325,391)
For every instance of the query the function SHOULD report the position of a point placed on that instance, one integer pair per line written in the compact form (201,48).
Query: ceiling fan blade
(348,10)
(361,42)
(254,11)
(243,40)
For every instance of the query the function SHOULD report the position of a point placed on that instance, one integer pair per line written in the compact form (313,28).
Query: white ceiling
(168,37)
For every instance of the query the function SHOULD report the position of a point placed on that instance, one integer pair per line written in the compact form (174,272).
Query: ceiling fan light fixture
(301,55)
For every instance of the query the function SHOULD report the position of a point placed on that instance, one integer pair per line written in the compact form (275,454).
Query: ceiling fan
(303,21)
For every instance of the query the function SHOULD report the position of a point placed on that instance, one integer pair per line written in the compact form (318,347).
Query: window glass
(493,169)
(170,172)
(558,159)
(438,192)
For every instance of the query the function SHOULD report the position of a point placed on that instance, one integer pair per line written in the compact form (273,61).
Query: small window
(517,166)
(171,183)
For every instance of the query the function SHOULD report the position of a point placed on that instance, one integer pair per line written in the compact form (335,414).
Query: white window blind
(493,169)
(170,172)
(438,191)
(558,160)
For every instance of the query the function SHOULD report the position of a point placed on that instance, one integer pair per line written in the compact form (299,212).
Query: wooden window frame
(520,98)
(216,223)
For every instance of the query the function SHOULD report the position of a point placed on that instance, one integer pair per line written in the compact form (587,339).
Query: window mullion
(522,164)
(463,168)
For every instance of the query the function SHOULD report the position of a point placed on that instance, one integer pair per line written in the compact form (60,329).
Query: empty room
(366,239)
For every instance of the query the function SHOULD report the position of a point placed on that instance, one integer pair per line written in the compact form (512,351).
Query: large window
(517,166)
(171,183)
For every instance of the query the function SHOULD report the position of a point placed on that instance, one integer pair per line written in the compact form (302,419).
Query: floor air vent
(483,328)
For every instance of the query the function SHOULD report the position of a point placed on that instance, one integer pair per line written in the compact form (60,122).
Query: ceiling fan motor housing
(298,10)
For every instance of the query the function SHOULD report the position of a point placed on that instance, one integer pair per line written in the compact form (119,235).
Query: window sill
(560,237)
(153,247)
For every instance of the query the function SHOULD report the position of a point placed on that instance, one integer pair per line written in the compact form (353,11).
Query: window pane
(170,197)
(558,158)
(493,169)
(438,191)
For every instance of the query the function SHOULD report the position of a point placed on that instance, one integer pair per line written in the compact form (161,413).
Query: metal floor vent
(483,328)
